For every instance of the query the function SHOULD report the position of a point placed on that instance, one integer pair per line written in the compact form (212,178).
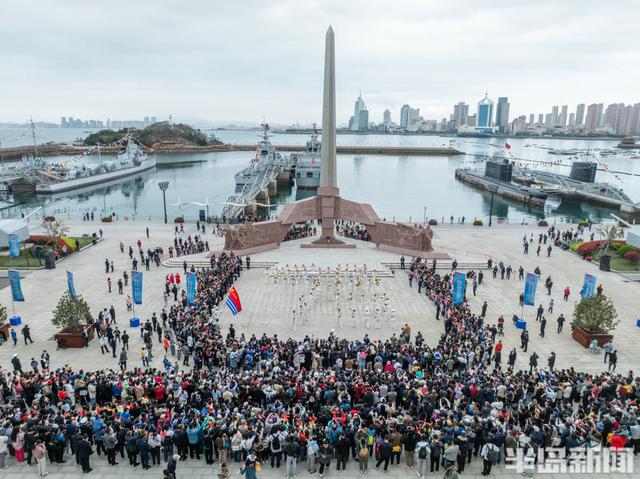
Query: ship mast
(35,144)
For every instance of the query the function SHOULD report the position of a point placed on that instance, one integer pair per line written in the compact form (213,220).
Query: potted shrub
(594,318)
(4,326)
(477,222)
(179,219)
(72,316)
(432,222)
(107,219)
(543,223)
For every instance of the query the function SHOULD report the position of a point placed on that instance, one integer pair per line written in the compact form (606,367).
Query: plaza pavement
(268,309)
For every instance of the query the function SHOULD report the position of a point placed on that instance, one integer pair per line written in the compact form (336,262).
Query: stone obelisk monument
(328,190)
(328,205)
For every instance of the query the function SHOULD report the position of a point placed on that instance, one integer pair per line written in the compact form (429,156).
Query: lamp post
(492,189)
(424,222)
(163,187)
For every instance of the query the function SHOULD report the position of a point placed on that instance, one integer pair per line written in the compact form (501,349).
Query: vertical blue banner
(459,283)
(70,286)
(136,286)
(16,289)
(192,284)
(14,246)
(530,285)
(589,286)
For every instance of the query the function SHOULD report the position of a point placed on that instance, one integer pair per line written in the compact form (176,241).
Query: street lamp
(163,187)
(492,189)
(425,215)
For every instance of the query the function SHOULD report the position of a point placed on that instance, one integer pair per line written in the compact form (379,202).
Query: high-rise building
(563,116)
(154,119)
(502,114)
(580,114)
(612,116)
(404,116)
(554,116)
(354,122)
(540,119)
(600,115)
(414,121)
(460,114)
(572,119)
(386,117)
(591,122)
(532,118)
(363,120)
(548,120)
(484,119)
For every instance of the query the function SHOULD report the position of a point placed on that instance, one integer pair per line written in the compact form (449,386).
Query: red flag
(233,301)
(507,146)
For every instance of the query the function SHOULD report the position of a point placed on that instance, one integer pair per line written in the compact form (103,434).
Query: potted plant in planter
(594,318)
(72,316)
(4,326)
(609,233)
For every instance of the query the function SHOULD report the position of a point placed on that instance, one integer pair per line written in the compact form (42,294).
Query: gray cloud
(241,60)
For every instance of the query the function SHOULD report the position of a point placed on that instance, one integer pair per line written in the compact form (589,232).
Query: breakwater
(57,149)
(371,150)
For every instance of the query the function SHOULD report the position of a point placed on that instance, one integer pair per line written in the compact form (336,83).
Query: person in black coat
(143,449)
(132,448)
(83,452)
(172,465)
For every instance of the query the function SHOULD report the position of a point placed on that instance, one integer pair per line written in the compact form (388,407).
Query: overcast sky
(244,59)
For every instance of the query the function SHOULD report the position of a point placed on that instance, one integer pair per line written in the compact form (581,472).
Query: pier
(371,150)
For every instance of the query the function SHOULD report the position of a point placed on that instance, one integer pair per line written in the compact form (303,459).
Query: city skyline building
(580,114)
(484,118)
(572,119)
(532,118)
(562,121)
(591,122)
(460,114)
(502,114)
(600,115)
(71,122)
(386,117)
(404,115)
(355,121)
(554,116)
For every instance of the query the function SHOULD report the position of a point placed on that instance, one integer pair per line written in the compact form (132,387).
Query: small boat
(568,152)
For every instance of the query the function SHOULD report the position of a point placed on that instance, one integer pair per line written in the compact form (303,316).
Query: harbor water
(400,187)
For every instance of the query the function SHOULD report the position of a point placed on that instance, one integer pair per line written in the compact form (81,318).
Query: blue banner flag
(192,284)
(14,245)
(16,289)
(136,286)
(459,283)
(70,285)
(530,285)
(589,286)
